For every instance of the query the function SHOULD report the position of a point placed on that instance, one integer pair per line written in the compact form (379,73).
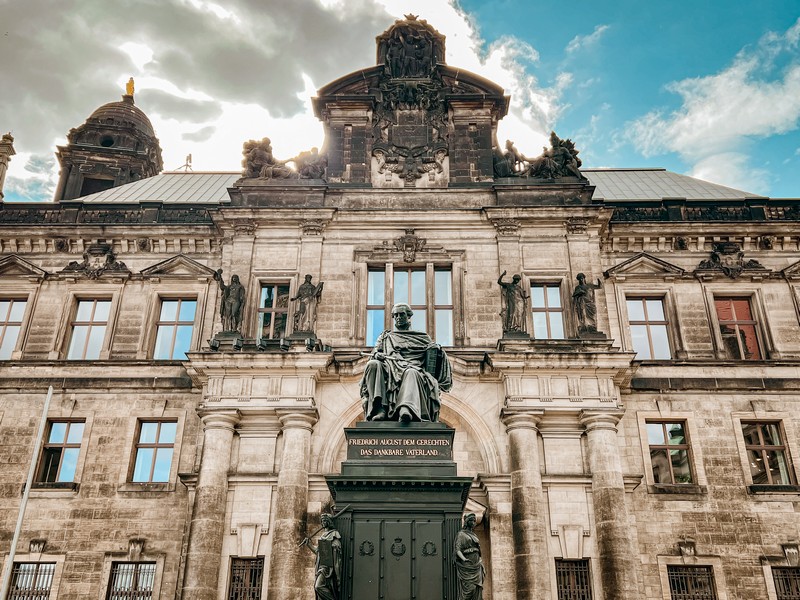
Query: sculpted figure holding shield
(405,375)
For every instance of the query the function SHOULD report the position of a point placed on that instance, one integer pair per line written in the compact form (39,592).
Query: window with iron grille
(669,452)
(11,313)
(246,577)
(691,583)
(766,453)
(573,579)
(31,581)
(787,582)
(273,310)
(429,293)
(131,581)
(154,451)
(174,328)
(648,324)
(548,314)
(89,329)
(61,450)
(738,328)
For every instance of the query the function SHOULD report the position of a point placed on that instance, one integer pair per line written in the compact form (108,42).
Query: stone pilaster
(531,562)
(616,556)
(501,532)
(208,514)
(287,580)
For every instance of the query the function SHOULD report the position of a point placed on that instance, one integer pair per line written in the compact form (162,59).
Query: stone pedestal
(208,514)
(404,510)
(287,560)
(527,507)
(617,557)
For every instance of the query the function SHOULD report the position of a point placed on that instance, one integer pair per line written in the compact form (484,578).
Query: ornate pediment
(14,266)
(644,266)
(179,266)
(792,271)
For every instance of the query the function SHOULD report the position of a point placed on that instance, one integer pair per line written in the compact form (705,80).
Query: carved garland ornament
(366,548)
(409,244)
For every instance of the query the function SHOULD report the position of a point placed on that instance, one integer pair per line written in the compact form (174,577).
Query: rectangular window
(766,453)
(573,580)
(548,314)
(691,583)
(787,582)
(154,451)
(648,328)
(89,329)
(738,328)
(246,577)
(428,292)
(131,581)
(11,312)
(61,450)
(174,328)
(273,310)
(669,452)
(31,581)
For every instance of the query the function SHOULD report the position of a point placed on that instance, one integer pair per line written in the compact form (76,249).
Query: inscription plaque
(399,445)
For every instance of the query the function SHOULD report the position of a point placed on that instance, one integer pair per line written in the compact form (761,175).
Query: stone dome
(124,110)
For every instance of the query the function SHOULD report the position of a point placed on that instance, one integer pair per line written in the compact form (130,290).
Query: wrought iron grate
(787,582)
(573,580)
(691,583)
(246,576)
(131,581)
(31,581)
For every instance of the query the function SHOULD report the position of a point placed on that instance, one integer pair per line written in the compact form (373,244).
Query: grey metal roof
(611,185)
(657,184)
(174,188)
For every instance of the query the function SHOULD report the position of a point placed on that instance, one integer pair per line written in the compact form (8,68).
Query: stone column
(287,575)
(531,558)
(207,528)
(616,555)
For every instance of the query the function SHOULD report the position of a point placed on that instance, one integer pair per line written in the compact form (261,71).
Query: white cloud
(252,76)
(719,113)
(732,169)
(586,41)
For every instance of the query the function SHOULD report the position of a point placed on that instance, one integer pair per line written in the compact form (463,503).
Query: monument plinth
(406,502)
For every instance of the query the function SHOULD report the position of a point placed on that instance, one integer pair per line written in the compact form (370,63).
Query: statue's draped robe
(470,573)
(402,379)
(328,578)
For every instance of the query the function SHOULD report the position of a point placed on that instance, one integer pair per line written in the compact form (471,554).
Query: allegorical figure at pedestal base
(328,566)
(406,372)
(469,566)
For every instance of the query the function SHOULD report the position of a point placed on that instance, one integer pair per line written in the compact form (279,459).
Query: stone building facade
(641,448)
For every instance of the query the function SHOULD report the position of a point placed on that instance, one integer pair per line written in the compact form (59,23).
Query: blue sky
(710,89)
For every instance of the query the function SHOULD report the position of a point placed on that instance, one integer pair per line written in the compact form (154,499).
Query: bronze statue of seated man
(406,372)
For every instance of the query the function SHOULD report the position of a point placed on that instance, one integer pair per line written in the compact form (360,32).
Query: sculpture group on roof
(410,48)
(560,160)
(259,162)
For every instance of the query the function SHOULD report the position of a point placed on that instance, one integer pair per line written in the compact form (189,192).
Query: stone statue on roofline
(259,162)
(560,160)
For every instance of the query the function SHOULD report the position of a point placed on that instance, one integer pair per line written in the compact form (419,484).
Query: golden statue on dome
(129,87)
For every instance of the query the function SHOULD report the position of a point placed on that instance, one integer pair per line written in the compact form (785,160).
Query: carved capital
(219,419)
(506,226)
(244,227)
(297,420)
(516,419)
(313,226)
(593,420)
(577,224)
